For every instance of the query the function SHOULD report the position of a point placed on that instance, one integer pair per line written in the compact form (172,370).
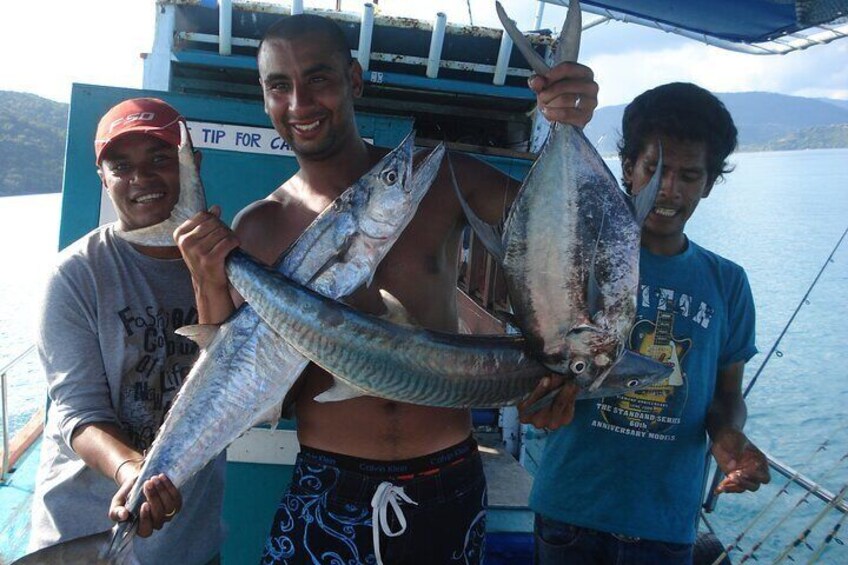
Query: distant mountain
(32,143)
(766,121)
(32,132)
(840,103)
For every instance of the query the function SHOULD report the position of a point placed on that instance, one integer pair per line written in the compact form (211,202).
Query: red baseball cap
(138,115)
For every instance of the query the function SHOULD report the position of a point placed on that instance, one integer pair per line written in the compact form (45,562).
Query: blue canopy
(737,21)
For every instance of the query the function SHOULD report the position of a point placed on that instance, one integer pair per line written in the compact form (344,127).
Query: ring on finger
(171,513)
(577,102)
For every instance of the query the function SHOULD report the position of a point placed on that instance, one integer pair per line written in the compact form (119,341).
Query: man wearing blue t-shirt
(623,483)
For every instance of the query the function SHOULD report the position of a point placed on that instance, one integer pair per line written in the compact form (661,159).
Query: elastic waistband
(403,469)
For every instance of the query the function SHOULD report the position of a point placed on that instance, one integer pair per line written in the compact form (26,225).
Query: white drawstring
(387,495)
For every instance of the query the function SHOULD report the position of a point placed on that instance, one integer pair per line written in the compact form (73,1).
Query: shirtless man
(362,456)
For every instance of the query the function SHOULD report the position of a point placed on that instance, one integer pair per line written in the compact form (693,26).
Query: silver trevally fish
(570,250)
(376,357)
(247,369)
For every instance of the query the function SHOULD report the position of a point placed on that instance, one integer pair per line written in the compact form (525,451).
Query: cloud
(655,58)
(96,41)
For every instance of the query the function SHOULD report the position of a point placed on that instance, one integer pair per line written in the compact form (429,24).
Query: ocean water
(779,214)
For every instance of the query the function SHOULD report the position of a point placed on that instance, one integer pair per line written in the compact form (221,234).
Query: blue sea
(779,214)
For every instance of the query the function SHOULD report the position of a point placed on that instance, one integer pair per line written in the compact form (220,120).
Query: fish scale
(403,363)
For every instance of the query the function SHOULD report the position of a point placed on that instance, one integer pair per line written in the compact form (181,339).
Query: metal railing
(6,461)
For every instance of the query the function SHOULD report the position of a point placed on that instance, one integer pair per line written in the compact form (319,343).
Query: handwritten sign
(243,139)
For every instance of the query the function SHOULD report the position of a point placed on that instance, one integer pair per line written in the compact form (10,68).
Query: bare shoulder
(266,227)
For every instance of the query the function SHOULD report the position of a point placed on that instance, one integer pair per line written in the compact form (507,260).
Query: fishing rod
(829,538)
(783,490)
(804,300)
(798,504)
(712,497)
(802,537)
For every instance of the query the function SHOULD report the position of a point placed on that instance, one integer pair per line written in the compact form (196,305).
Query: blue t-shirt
(634,464)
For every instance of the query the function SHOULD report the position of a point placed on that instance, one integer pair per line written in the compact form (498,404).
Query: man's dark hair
(683,111)
(294,27)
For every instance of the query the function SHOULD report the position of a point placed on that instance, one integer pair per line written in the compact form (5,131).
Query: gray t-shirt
(107,344)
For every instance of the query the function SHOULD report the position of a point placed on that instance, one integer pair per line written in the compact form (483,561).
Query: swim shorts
(338,509)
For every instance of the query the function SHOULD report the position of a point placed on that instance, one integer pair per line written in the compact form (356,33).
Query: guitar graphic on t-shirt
(656,341)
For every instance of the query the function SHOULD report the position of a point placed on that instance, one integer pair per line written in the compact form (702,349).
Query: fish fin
(270,416)
(536,62)
(489,235)
(644,200)
(543,402)
(119,545)
(201,334)
(568,44)
(339,391)
(395,312)
(593,288)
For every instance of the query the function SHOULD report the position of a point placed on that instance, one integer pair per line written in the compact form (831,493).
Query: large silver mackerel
(375,356)
(247,369)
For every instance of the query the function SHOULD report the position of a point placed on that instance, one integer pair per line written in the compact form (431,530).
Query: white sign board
(244,139)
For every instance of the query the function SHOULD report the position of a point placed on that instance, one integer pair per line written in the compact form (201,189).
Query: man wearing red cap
(113,362)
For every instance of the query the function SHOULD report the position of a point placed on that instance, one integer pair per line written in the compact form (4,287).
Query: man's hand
(559,413)
(745,466)
(567,93)
(163,503)
(204,242)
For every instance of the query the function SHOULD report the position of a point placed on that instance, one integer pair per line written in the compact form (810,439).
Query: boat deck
(15,497)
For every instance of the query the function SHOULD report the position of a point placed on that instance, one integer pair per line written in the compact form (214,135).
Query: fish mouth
(630,372)
(149,197)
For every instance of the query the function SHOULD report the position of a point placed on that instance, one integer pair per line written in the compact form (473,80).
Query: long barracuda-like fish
(570,249)
(377,357)
(246,369)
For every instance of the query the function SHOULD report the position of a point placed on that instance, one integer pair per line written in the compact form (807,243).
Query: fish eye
(633,383)
(389,176)
(578,367)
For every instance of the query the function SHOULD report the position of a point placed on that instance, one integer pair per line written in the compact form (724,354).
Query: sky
(45,46)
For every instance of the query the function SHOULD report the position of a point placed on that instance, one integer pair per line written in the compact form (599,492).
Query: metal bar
(3,406)
(375,56)
(597,22)
(4,466)
(296,7)
(366,28)
(503,60)
(807,484)
(437,39)
(225,27)
(212,38)
(540,11)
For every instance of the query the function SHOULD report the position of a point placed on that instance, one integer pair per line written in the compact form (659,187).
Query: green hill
(766,121)
(820,137)
(32,143)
